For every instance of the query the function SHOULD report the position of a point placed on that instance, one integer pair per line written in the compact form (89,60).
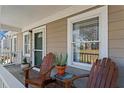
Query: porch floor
(15,70)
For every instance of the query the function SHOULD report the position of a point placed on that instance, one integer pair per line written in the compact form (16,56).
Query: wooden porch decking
(15,69)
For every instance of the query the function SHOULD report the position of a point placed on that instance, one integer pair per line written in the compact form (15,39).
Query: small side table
(63,79)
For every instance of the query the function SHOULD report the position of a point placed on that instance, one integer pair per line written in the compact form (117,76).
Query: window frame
(26,54)
(14,46)
(102,13)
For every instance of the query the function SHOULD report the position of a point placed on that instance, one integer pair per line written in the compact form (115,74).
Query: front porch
(17,72)
(85,33)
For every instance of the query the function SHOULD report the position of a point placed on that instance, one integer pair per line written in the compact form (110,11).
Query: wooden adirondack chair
(43,77)
(103,74)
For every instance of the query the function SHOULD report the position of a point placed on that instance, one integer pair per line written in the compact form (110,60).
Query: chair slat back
(47,64)
(103,74)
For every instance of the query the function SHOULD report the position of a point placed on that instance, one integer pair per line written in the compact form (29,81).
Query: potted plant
(24,63)
(60,63)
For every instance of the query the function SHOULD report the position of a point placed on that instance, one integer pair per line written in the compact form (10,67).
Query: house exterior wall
(116,39)
(56,36)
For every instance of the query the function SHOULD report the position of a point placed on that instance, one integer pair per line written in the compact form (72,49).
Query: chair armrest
(29,68)
(26,71)
(69,82)
(80,76)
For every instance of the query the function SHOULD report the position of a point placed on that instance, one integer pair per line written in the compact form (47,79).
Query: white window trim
(102,13)
(25,54)
(36,30)
(14,37)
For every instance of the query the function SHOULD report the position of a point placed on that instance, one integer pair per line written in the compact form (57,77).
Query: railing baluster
(88,57)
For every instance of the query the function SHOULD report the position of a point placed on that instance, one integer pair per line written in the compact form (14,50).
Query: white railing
(7,80)
(11,57)
(19,56)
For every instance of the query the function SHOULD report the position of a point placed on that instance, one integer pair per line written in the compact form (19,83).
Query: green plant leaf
(61,60)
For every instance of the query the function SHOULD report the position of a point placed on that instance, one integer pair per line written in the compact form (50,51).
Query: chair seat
(54,85)
(36,81)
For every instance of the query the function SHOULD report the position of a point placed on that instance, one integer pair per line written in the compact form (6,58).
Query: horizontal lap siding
(57,36)
(116,39)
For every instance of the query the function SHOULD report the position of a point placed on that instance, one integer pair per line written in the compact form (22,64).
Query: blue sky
(2,34)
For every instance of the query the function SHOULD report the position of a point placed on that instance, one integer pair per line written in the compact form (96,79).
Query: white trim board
(13,43)
(8,79)
(39,29)
(64,13)
(102,13)
(26,33)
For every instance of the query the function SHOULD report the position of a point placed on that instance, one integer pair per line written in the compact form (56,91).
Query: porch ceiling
(19,16)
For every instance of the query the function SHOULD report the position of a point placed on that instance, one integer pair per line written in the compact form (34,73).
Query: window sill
(27,55)
(81,66)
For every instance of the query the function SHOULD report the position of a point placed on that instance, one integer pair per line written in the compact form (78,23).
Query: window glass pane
(25,49)
(86,40)
(26,44)
(14,44)
(26,39)
(86,30)
(38,40)
(85,52)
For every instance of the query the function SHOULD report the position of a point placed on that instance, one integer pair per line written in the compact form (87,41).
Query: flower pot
(60,70)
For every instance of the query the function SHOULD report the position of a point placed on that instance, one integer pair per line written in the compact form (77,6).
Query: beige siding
(57,36)
(116,39)
(116,31)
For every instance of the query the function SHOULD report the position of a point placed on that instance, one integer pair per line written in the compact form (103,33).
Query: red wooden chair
(43,77)
(103,74)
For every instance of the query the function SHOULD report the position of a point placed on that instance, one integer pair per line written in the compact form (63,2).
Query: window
(87,38)
(14,44)
(26,45)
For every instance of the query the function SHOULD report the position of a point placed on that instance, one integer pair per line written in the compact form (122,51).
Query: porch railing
(11,57)
(7,80)
(88,57)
